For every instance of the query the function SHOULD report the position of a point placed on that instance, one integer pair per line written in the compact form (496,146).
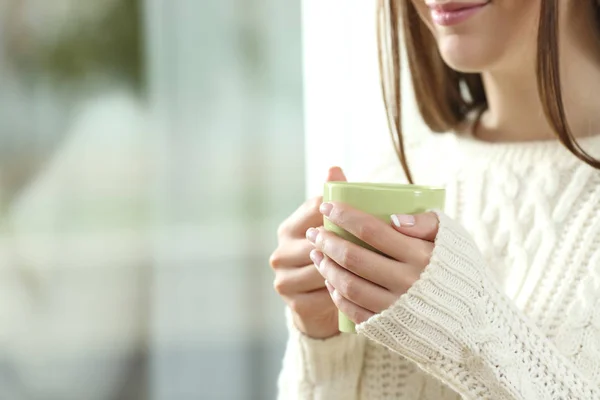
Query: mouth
(453,13)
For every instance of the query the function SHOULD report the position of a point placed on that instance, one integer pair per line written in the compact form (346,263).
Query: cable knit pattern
(457,325)
(509,307)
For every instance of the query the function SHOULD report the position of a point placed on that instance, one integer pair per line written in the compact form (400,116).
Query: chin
(465,55)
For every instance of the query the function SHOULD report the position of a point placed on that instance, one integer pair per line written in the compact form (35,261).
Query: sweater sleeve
(457,325)
(320,369)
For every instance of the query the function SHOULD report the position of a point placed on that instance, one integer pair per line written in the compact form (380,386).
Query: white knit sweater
(509,307)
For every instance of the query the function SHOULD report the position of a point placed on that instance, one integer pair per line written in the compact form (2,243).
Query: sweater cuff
(332,363)
(431,320)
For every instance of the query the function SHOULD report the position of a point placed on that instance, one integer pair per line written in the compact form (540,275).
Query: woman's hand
(363,283)
(296,279)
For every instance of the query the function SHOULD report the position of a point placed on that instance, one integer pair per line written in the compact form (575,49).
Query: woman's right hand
(296,279)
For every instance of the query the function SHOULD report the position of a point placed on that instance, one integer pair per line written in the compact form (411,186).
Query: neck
(515,111)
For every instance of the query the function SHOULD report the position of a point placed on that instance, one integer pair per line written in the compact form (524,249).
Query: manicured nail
(401,220)
(316,257)
(311,235)
(326,208)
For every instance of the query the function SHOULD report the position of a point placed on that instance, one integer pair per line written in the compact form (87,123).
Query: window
(148,151)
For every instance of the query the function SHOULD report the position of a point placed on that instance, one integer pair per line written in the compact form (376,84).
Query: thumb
(336,174)
(420,226)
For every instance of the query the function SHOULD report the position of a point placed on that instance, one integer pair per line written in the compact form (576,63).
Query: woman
(500,299)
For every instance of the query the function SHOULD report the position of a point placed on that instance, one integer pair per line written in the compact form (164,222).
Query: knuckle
(323,240)
(367,231)
(280,286)
(424,256)
(339,214)
(275,260)
(348,289)
(282,229)
(349,257)
(325,266)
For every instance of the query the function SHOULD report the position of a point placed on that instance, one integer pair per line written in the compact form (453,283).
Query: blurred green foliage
(110,45)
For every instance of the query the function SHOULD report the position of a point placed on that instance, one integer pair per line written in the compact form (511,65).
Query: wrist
(316,329)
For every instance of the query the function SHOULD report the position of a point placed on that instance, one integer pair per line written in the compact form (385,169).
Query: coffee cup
(380,200)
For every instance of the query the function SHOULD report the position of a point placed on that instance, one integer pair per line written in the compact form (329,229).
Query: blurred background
(148,151)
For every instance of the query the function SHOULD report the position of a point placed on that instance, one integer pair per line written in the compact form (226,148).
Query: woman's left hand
(363,283)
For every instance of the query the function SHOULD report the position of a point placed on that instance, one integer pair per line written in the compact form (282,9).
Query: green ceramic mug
(380,200)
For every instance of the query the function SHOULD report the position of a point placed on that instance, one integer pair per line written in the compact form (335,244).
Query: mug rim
(396,186)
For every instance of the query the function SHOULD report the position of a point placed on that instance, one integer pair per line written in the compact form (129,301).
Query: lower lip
(449,18)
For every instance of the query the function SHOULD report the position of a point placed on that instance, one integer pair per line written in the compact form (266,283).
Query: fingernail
(316,257)
(402,220)
(311,235)
(326,208)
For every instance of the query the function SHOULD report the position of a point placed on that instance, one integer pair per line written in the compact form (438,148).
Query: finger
(298,280)
(306,216)
(421,226)
(354,312)
(313,303)
(335,174)
(354,288)
(379,234)
(294,254)
(383,271)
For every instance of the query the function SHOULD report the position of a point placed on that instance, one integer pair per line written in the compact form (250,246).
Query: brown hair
(446,97)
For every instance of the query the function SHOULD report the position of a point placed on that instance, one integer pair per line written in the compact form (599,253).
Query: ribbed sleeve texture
(457,325)
(321,369)
(509,307)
